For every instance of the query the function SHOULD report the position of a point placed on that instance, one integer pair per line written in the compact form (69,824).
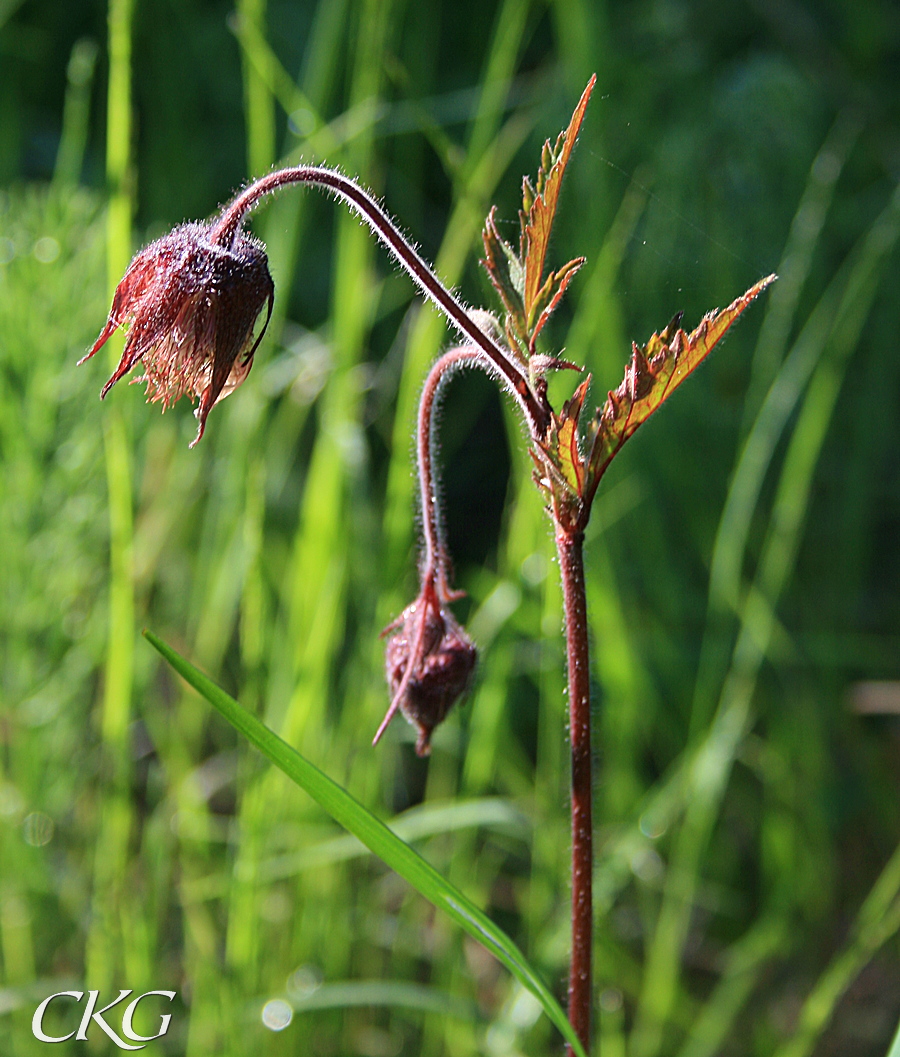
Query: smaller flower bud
(189,305)
(429,662)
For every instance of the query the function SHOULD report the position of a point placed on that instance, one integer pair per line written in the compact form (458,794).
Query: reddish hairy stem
(435,570)
(435,558)
(570,549)
(536,410)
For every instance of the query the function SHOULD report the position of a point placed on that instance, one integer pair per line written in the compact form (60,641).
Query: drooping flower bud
(429,661)
(189,305)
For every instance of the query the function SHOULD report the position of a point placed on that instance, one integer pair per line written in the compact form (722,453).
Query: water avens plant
(190,303)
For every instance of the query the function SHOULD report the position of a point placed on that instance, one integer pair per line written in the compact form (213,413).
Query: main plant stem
(570,549)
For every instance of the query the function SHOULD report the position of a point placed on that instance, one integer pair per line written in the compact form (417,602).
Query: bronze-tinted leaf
(570,458)
(549,297)
(654,373)
(561,448)
(541,204)
(529,296)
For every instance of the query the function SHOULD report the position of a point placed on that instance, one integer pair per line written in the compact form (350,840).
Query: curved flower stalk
(429,659)
(180,295)
(190,302)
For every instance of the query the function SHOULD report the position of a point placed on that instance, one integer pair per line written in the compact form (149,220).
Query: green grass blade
(877,921)
(106,950)
(895,1045)
(259,105)
(347,811)
(393,994)
(797,260)
(76,113)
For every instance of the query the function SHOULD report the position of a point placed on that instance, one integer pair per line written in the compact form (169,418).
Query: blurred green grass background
(742,560)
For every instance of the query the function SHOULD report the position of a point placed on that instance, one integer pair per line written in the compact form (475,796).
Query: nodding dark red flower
(429,662)
(189,305)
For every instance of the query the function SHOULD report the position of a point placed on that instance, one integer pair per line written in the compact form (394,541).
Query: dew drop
(277,1014)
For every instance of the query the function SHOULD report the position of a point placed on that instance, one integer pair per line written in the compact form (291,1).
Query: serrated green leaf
(549,297)
(654,373)
(527,201)
(507,276)
(376,836)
